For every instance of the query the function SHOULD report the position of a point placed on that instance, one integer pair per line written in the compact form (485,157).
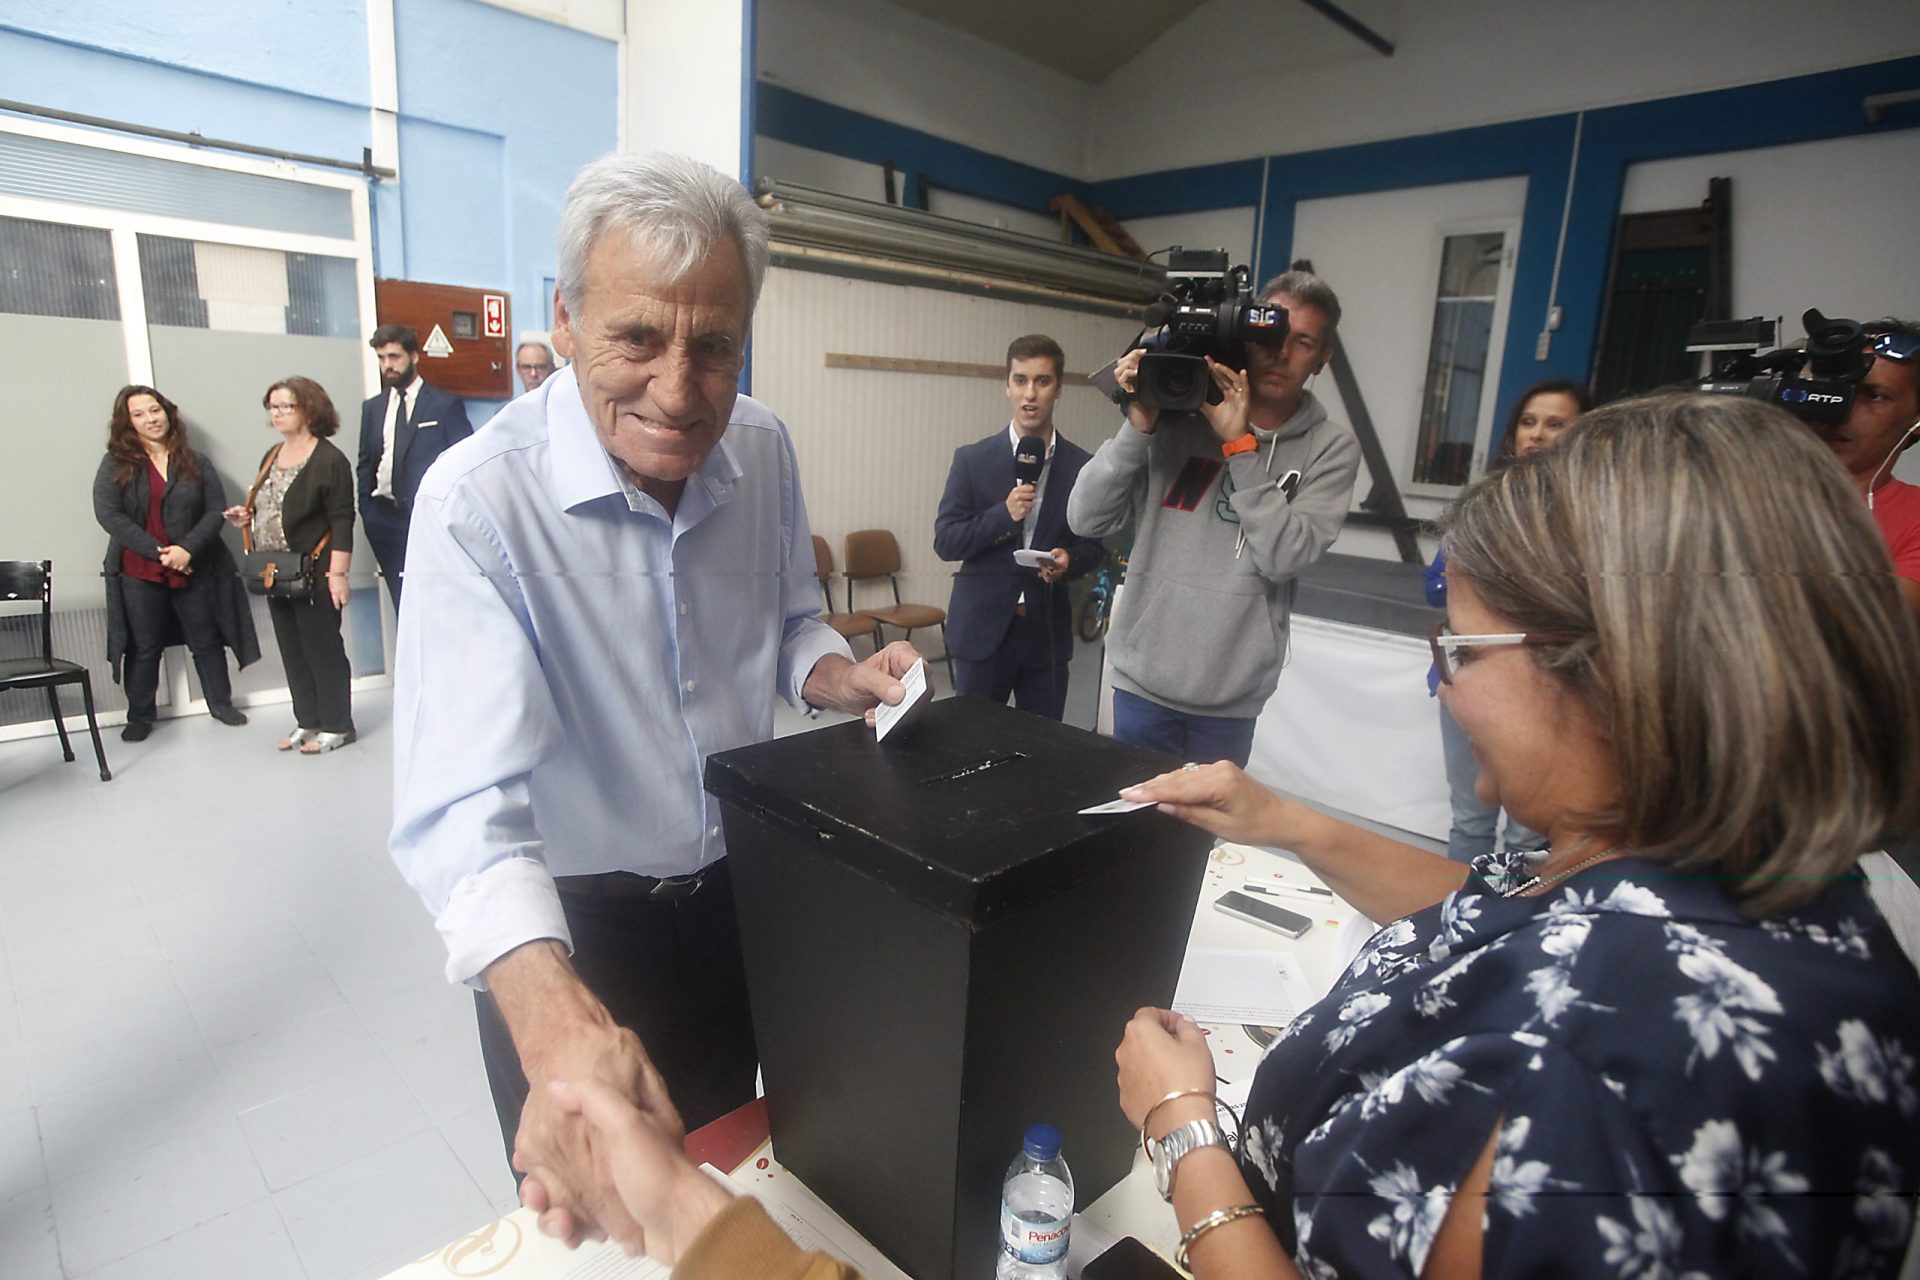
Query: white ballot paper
(1118,806)
(885,717)
(1032,557)
(1255,988)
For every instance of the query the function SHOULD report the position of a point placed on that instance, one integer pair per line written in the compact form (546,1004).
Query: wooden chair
(873,553)
(33,580)
(849,625)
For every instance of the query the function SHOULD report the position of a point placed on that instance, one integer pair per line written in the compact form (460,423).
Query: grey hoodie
(1198,629)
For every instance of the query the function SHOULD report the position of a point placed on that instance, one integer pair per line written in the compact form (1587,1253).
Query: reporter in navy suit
(1009,628)
(402,430)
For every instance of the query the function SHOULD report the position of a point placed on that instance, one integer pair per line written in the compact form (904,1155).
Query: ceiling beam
(1358,29)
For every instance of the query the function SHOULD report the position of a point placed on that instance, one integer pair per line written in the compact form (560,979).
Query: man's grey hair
(1304,286)
(675,208)
(542,347)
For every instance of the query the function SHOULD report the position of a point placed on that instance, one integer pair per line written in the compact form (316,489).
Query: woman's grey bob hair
(1743,645)
(675,208)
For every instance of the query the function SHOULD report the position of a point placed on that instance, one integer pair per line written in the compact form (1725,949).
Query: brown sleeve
(743,1241)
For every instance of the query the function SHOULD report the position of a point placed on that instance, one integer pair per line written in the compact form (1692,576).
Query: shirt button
(689,686)
(714,832)
(684,606)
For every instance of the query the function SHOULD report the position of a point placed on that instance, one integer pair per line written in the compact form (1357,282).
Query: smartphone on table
(1268,915)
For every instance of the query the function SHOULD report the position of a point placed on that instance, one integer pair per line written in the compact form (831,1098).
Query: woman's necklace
(1538,882)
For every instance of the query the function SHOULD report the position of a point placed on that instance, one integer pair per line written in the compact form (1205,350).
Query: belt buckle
(669,887)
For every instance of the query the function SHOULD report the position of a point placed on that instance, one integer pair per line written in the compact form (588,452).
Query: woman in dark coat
(169,575)
(303,501)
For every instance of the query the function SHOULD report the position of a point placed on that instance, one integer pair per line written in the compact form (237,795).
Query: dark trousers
(670,972)
(1030,665)
(1201,739)
(386,526)
(315,659)
(151,612)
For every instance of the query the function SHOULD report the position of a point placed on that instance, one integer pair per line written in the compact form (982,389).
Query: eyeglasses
(1444,644)
(535,368)
(1896,346)
(282,408)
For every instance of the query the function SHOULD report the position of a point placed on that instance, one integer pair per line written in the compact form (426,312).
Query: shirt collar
(1013,434)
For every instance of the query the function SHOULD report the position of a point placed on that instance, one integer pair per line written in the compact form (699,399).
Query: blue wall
(497,111)
(1800,109)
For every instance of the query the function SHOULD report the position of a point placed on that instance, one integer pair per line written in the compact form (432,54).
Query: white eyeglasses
(1444,644)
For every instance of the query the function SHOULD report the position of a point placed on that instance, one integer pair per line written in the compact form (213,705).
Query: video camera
(1814,383)
(1207,310)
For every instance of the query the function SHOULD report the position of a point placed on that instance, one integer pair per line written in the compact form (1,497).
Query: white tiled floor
(225,1045)
(226,1048)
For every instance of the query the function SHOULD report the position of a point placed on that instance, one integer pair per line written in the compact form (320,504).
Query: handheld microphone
(1030,458)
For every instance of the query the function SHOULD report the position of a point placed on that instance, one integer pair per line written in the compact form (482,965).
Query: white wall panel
(875,447)
(1229,229)
(1380,252)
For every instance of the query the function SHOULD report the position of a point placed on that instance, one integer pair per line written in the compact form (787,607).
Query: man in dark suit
(402,431)
(1009,627)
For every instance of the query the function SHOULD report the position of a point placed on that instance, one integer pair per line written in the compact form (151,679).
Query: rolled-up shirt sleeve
(804,638)
(473,716)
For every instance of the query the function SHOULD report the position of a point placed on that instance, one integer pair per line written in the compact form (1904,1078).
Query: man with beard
(402,431)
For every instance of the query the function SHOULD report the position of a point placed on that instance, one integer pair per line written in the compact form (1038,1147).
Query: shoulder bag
(277,575)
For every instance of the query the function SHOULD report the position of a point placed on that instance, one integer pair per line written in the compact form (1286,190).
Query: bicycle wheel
(1093,615)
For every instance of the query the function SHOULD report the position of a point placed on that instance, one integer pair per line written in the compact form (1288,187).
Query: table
(512,1248)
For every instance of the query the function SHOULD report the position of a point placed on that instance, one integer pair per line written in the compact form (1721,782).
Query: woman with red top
(169,575)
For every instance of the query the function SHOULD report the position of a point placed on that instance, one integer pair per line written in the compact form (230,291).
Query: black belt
(625,884)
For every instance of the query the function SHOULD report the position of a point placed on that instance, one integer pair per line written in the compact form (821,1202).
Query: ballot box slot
(975,769)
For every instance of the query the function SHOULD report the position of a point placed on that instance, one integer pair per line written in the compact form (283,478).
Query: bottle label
(1033,1243)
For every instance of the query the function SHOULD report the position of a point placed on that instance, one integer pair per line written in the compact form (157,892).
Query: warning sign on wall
(494,315)
(437,345)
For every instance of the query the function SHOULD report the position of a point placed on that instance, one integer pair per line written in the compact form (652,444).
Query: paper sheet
(886,717)
(1258,988)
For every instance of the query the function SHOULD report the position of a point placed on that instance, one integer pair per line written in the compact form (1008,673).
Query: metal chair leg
(93,727)
(53,701)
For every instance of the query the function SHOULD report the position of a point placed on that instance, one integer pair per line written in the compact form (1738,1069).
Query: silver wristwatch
(1179,1143)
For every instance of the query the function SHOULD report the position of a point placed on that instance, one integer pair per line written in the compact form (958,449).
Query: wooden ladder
(1099,227)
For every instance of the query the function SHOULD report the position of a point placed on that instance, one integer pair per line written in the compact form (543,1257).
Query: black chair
(28,580)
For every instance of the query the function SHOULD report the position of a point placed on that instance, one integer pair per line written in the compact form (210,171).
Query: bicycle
(1096,612)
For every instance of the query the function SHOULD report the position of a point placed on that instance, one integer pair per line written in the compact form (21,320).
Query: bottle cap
(1043,1141)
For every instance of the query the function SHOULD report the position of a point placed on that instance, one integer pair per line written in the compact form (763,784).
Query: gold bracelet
(1147,1119)
(1218,1218)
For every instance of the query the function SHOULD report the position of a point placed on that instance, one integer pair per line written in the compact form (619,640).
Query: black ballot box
(941,951)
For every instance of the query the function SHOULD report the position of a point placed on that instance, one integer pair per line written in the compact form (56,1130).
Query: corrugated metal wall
(875,446)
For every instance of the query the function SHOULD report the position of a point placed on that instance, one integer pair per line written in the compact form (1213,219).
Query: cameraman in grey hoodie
(1232,503)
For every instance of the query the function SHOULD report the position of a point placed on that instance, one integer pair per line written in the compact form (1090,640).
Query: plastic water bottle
(1036,1211)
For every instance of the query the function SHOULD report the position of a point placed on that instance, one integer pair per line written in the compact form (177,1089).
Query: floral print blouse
(1678,1092)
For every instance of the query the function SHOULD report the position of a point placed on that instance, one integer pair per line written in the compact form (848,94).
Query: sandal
(318,742)
(294,739)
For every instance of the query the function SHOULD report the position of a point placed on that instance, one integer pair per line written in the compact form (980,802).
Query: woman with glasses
(169,576)
(303,501)
(1541,415)
(1680,1040)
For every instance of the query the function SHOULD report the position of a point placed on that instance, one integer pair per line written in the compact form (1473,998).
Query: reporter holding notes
(1682,1041)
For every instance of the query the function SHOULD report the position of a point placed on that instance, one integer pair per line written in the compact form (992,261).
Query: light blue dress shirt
(570,655)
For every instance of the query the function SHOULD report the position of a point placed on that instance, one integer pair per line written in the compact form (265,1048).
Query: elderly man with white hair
(608,584)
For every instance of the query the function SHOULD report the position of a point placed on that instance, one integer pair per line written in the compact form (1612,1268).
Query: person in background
(1572,1063)
(1885,421)
(534,361)
(402,431)
(168,572)
(1009,629)
(1540,416)
(1231,504)
(303,501)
